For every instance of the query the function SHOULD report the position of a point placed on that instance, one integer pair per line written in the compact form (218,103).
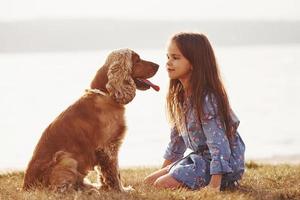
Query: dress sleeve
(176,147)
(216,138)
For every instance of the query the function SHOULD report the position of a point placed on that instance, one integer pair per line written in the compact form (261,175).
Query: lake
(262,82)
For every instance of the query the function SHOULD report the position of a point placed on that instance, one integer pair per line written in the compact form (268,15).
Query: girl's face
(178,66)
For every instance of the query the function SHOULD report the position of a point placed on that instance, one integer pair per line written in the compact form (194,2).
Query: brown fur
(89,133)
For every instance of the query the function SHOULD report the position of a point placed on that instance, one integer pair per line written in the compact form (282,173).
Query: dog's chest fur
(111,119)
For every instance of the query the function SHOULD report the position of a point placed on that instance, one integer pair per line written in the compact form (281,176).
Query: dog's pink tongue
(155,87)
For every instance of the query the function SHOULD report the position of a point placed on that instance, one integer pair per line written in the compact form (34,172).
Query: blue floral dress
(212,152)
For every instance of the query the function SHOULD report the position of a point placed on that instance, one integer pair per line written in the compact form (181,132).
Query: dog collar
(96,91)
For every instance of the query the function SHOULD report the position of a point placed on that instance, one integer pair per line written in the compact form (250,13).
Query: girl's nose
(169,63)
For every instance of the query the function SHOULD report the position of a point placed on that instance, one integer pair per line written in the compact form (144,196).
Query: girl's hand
(209,188)
(212,188)
(215,182)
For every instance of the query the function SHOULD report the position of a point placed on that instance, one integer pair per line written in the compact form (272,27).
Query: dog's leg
(103,160)
(108,161)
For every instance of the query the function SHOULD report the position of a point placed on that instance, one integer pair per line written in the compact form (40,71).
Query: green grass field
(260,182)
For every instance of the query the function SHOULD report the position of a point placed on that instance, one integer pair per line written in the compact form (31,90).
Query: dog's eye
(136,58)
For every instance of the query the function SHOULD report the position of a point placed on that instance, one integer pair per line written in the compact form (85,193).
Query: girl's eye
(173,57)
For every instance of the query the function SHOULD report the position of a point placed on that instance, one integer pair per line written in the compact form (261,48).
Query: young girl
(201,119)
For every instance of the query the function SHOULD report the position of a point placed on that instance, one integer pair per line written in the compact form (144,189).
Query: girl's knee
(167,181)
(160,183)
(154,176)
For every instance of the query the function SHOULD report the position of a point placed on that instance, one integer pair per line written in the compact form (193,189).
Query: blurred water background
(262,82)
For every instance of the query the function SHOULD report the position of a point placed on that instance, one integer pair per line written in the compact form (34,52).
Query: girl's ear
(120,85)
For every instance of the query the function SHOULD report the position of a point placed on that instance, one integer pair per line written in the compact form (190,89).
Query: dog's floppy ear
(120,85)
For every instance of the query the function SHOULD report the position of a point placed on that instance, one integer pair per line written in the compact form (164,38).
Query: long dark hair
(205,80)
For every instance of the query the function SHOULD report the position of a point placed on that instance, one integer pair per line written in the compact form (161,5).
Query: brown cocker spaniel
(89,133)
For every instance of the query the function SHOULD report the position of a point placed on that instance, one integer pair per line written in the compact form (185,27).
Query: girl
(202,120)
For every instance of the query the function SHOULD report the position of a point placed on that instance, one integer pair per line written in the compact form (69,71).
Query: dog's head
(127,72)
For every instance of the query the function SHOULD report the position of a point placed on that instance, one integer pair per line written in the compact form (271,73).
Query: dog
(89,132)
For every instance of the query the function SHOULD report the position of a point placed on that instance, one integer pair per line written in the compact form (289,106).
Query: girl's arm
(175,149)
(216,141)
(166,163)
(215,181)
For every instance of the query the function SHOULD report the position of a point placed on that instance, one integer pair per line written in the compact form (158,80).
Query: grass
(260,182)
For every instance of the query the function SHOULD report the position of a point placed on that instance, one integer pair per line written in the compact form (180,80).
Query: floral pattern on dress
(212,153)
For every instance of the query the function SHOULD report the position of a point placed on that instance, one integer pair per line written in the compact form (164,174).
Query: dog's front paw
(129,188)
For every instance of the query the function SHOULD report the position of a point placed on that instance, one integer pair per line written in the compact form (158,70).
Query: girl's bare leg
(155,175)
(167,181)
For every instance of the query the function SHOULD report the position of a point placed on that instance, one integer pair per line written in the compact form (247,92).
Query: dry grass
(260,182)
